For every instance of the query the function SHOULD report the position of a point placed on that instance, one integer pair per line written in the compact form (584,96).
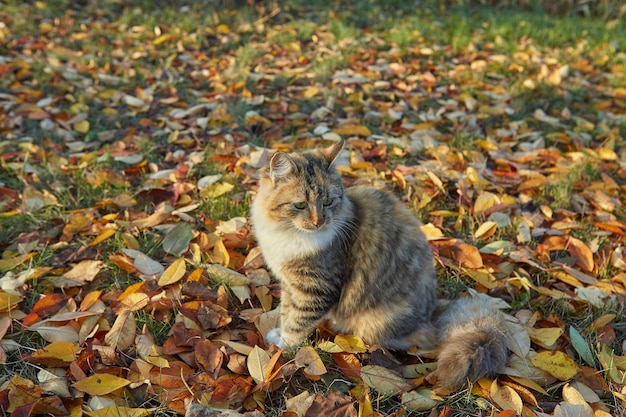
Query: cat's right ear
(281,165)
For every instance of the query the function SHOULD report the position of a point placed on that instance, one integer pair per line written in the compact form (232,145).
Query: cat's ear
(332,152)
(281,165)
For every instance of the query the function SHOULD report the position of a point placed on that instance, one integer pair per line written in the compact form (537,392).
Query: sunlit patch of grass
(233,204)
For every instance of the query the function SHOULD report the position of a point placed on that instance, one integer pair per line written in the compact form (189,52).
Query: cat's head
(301,191)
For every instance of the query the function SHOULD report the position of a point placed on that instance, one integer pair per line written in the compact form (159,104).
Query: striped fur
(356,256)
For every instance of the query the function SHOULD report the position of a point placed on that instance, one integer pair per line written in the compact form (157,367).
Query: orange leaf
(104,235)
(582,253)
(45,307)
(348,364)
(467,255)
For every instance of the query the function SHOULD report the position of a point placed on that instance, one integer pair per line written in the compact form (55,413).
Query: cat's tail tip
(469,352)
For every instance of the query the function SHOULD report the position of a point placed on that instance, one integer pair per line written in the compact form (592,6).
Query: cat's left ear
(280,166)
(332,152)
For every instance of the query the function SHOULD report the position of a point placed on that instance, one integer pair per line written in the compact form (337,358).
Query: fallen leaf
(556,363)
(308,358)
(174,273)
(384,380)
(100,384)
(122,333)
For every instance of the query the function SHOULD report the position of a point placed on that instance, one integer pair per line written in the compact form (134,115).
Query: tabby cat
(358,258)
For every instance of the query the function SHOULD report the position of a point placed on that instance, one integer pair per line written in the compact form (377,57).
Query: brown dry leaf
(333,404)
(83,272)
(419,400)
(505,397)
(122,333)
(384,380)
(208,356)
(300,403)
(308,358)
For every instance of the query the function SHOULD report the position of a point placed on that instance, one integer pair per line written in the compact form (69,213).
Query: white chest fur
(279,246)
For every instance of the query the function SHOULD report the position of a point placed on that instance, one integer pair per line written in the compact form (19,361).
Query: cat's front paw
(274,336)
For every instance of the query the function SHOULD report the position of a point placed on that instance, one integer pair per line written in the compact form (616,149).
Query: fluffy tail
(473,344)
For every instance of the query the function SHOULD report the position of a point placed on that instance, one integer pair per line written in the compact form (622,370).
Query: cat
(358,258)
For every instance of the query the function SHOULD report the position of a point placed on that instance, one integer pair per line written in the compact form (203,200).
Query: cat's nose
(317,219)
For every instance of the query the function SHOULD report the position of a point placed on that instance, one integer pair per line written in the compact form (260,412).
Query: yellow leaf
(311,91)
(216,190)
(104,235)
(10,263)
(173,273)
(264,296)
(607,154)
(118,411)
(100,384)
(485,230)
(485,201)
(328,346)
(356,130)
(556,363)
(158,361)
(545,337)
(350,343)
(63,351)
(608,362)
(134,302)
(82,126)
(8,301)
(45,28)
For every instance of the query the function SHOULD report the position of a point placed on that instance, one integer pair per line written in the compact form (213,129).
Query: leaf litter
(524,209)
